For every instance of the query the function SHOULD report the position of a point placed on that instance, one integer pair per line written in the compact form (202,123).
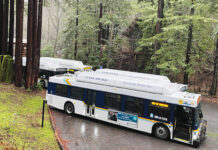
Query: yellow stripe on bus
(101,108)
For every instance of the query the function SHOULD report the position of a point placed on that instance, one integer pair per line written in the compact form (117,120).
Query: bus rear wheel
(161,132)
(69,108)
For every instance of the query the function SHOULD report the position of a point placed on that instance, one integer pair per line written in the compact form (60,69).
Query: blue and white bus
(143,102)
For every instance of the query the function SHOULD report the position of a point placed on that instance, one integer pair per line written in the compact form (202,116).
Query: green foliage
(38,86)
(6,68)
(170,57)
(20,118)
(123,16)
(116,16)
(47,51)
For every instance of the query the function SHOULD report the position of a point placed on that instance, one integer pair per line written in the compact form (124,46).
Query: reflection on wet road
(83,133)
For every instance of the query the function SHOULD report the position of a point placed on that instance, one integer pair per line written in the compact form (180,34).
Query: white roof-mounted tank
(128,82)
(134,75)
(66,63)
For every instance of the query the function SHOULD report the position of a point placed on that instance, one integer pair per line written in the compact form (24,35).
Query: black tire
(161,131)
(196,144)
(69,108)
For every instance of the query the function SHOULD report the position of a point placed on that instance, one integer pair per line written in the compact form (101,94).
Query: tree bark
(76,34)
(5,28)
(100,29)
(11,29)
(29,56)
(19,42)
(34,32)
(39,35)
(189,46)
(213,87)
(157,45)
(1,24)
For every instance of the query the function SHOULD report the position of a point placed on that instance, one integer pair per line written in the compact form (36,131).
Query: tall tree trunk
(76,34)
(100,29)
(19,42)
(189,45)
(35,27)
(158,30)
(213,87)
(29,56)
(5,28)
(57,27)
(1,24)
(39,34)
(11,29)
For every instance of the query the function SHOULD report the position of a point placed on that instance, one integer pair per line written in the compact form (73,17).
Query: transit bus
(71,65)
(138,101)
(50,66)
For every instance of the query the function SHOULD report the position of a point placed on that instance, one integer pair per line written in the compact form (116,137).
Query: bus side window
(159,111)
(77,93)
(61,90)
(134,105)
(112,101)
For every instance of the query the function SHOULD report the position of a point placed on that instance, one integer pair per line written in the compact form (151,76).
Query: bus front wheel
(161,131)
(196,144)
(69,108)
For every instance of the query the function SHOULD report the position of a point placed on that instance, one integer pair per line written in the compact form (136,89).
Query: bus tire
(196,144)
(69,108)
(161,131)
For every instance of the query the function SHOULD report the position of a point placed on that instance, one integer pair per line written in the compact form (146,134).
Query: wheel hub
(161,131)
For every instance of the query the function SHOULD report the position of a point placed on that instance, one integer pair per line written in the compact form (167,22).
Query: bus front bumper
(200,136)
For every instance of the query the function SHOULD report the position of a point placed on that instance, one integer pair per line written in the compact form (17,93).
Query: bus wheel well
(69,108)
(160,125)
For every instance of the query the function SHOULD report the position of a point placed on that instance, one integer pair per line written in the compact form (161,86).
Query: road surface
(82,133)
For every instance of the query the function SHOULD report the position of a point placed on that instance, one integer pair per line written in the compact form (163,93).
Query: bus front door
(183,124)
(90,107)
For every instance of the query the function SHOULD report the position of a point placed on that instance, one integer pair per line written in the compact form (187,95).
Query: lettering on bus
(159,111)
(136,84)
(96,78)
(160,104)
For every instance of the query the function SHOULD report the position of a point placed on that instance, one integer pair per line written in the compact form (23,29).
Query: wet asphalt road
(82,133)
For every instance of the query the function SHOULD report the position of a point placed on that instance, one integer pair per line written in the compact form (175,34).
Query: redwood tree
(39,34)
(213,87)
(160,15)
(19,42)
(100,28)
(76,34)
(29,61)
(5,28)
(11,29)
(189,45)
(35,27)
(1,24)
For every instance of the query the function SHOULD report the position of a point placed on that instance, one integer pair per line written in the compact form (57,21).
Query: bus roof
(135,75)
(56,64)
(66,63)
(126,85)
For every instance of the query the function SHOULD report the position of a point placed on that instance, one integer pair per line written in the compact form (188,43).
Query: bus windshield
(198,115)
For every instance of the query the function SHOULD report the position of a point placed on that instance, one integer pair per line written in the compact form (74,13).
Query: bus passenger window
(61,90)
(112,101)
(77,93)
(134,105)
